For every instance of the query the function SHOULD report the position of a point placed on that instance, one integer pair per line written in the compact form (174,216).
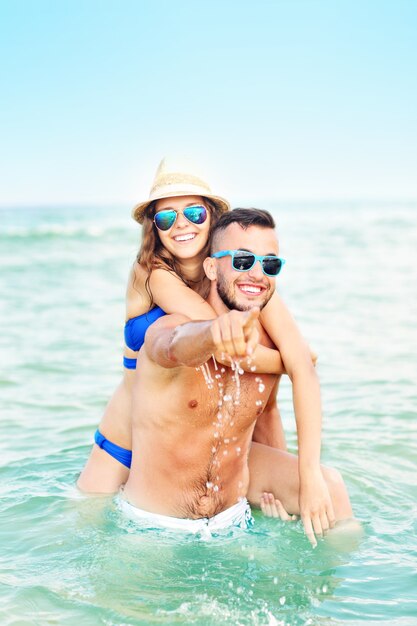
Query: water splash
(205,370)
(224,417)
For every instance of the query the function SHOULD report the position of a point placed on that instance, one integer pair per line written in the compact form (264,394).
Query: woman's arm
(315,504)
(173,296)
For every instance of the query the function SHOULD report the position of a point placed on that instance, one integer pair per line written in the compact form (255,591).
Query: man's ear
(210,268)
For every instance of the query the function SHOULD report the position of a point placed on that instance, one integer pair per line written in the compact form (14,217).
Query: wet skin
(189,463)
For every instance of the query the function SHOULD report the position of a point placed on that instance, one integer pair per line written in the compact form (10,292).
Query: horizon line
(309,201)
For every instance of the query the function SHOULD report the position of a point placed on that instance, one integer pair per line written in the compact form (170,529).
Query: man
(193,420)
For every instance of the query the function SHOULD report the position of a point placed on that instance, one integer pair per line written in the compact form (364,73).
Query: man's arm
(174,341)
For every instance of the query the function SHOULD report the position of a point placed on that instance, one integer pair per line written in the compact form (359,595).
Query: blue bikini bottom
(117,452)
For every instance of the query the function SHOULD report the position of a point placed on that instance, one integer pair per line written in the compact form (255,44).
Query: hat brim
(139,210)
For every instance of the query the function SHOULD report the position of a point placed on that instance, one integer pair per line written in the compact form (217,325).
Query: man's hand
(236,333)
(174,341)
(316,508)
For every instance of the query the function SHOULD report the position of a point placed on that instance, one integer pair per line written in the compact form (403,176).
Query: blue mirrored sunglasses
(243,261)
(164,220)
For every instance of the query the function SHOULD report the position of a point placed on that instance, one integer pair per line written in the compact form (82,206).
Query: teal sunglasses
(164,220)
(243,261)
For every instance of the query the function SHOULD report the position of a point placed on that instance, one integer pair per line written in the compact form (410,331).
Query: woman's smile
(185,238)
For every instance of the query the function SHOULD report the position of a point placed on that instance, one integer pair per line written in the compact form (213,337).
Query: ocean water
(351,282)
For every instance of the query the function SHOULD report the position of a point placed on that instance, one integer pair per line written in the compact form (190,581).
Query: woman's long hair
(153,255)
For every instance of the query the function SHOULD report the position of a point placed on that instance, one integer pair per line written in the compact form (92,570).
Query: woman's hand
(316,508)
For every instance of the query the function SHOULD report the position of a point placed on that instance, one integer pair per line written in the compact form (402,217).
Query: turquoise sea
(351,282)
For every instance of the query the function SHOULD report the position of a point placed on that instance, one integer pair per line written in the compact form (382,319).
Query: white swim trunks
(236,516)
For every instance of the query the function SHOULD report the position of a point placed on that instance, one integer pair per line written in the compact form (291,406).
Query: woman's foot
(272,507)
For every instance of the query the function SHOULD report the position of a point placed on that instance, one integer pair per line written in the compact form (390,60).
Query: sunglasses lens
(271,265)
(196,214)
(165,219)
(243,262)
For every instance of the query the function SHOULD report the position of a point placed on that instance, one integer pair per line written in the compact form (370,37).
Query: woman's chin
(188,251)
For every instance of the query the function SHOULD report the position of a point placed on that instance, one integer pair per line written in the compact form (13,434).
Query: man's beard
(226,294)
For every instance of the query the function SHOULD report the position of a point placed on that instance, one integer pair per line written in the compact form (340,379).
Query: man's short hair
(243,217)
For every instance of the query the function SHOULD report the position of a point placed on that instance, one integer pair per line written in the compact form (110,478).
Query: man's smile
(251,289)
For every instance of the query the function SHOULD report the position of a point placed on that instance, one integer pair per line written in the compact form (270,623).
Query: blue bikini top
(136,327)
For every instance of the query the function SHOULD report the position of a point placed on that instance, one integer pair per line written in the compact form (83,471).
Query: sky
(282,99)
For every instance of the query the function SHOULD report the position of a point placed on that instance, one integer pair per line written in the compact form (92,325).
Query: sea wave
(62,231)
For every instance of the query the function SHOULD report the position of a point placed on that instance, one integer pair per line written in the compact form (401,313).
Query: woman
(168,278)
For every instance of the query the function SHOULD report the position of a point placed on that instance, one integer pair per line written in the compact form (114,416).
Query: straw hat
(174,180)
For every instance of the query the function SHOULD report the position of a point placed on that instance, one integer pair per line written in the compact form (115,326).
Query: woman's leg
(103,473)
(276,471)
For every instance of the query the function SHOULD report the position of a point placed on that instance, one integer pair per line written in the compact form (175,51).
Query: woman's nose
(181,221)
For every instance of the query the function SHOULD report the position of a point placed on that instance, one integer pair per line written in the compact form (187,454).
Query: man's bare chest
(218,392)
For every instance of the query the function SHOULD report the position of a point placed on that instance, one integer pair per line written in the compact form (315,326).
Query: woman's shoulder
(138,271)
(141,285)
(137,299)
